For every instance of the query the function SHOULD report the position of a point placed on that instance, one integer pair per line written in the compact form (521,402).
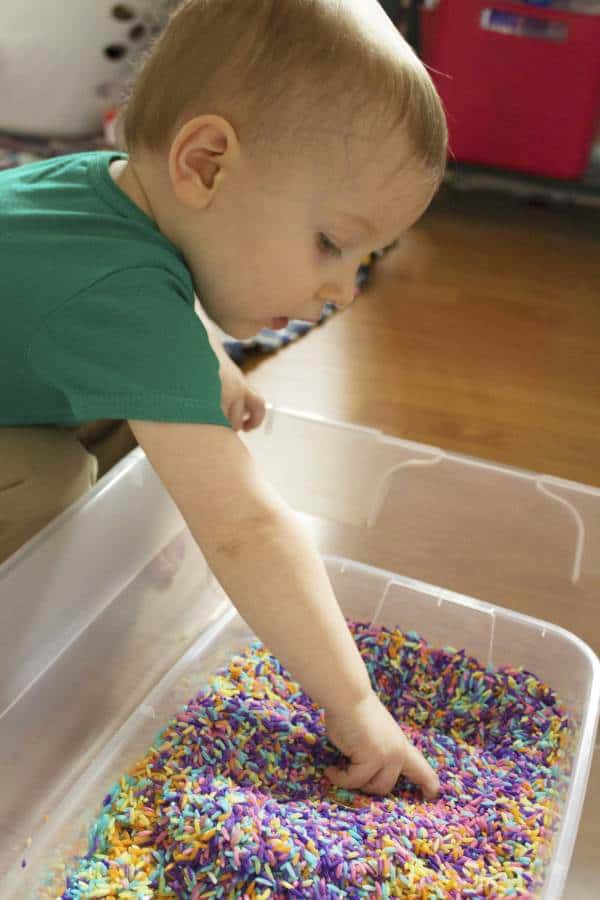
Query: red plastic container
(528,100)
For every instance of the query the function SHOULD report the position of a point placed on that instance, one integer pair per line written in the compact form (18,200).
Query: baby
(271,145)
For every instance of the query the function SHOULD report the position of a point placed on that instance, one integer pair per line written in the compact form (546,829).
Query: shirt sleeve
(130,346)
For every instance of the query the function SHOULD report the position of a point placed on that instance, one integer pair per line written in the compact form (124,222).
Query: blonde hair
(271,67)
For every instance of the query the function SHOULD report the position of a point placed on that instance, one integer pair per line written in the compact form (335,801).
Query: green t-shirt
(97,316)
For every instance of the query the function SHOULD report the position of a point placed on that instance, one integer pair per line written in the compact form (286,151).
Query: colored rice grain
(231,801)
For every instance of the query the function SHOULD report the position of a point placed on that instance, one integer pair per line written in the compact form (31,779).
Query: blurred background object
(520,82)
(64,63)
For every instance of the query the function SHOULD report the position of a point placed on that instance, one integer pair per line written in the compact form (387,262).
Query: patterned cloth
(17,151)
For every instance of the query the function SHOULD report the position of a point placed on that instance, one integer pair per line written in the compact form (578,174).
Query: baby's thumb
(352,778)
(256,410)
(235,413)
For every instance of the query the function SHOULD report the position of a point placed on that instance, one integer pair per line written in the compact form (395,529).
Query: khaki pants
(43,470)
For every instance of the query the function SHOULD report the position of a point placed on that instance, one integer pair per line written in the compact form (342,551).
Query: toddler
(270,146)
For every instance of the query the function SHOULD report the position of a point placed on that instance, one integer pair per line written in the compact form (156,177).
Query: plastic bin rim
(136,455)
(463,458)
(432,590)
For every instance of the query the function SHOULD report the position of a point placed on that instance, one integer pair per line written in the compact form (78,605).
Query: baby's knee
(42,471)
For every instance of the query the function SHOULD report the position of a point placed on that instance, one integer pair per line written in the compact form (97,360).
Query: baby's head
(278,142)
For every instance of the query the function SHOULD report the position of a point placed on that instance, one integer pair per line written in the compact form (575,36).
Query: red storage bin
(528,100)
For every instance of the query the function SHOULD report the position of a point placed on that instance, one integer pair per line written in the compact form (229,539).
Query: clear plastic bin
(110,619)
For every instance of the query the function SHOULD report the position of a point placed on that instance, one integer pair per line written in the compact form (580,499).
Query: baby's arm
(274,575)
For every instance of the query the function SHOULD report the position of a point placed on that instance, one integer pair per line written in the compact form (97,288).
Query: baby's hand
(378,749)
(243,406)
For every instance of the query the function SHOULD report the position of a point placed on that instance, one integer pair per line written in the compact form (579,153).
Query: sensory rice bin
(230,800)
(133,627)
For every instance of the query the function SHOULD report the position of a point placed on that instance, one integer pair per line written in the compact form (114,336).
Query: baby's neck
(147,185)
(123,174)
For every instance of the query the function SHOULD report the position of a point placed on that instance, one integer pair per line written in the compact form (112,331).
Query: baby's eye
(327,246)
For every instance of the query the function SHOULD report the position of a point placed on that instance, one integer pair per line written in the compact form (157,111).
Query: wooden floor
(480,334)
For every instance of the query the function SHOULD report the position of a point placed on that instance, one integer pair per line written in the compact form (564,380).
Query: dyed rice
(231,800)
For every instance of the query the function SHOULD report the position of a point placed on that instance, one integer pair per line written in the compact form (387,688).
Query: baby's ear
(202,153)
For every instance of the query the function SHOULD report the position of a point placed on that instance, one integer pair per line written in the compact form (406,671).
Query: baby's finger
(255,411)
(353,777)
(417,769)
